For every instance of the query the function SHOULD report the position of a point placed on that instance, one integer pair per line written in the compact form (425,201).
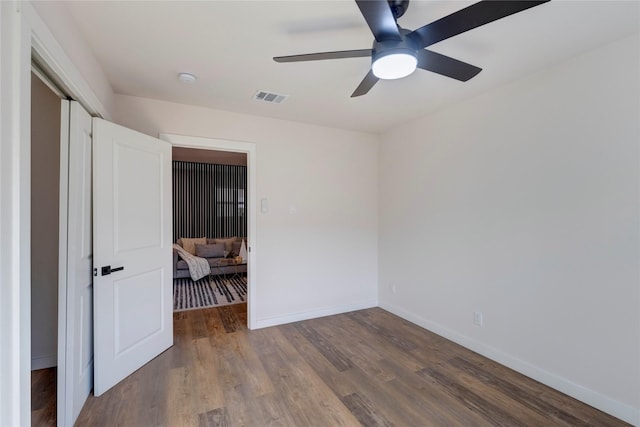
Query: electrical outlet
(478,318)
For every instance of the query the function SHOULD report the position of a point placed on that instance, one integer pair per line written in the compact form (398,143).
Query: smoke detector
(187,77)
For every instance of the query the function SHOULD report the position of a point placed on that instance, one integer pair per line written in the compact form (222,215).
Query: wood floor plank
(361,356)
(365,411)
(553,404)
(243,360)
(475,402)
(339,384)
(430,348)
(179,409)
(97,410)
(241,378)
(324,346)
(295,381)
(235,397)
(379,329)
(516,393)
(198,326)
(384,398)
(240,310)
(213,322)
(182,337)
(229,319)
(430,396)
(375,346)
(204,378)
(152,386)
(43,387)
(272,412)
(411,393)
(43,397)
(218,417)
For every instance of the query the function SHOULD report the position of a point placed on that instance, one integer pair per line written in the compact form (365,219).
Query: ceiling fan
(397,52)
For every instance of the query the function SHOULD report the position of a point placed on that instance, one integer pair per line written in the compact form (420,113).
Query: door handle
(106,270)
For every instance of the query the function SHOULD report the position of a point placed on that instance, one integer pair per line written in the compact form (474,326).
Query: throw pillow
(189,245)
(210,251)
(228,243)
(236,248)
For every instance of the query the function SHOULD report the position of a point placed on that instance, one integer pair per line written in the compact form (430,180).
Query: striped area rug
(208,292)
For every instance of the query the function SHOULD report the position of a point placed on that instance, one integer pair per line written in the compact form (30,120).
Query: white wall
(45,195)
(321,260)
(523,204)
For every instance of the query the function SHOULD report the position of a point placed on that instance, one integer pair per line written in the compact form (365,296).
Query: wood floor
(366,368)
(43,397)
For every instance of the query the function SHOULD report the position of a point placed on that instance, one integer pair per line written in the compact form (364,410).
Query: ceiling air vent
(270,97)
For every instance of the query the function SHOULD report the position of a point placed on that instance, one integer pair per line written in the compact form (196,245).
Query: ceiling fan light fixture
(394,64)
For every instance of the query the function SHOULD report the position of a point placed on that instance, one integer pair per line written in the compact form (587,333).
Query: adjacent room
(346,213)
(210,222)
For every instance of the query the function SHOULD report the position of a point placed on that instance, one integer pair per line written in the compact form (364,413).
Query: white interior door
(133,315)
(79,290)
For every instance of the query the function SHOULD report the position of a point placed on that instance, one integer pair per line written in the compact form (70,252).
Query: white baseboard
(42,362)
(304,315)
(590,397)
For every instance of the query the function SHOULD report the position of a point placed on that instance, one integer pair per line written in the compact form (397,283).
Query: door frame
(23,36)
(249,148)
(63,409)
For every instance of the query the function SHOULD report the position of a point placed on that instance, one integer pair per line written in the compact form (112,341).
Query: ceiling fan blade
(361,53)
(469,18)
(379,19)
(365,85)
(446,66)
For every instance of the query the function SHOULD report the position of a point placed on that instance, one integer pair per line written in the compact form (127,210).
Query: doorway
(60,323)
(249,150)
(45,245)
(209,221)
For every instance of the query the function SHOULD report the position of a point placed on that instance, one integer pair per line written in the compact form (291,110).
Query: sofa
(219,252)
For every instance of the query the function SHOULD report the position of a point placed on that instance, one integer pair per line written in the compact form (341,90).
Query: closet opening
(45,245)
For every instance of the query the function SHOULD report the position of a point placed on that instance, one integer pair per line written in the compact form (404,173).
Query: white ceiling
(229,45)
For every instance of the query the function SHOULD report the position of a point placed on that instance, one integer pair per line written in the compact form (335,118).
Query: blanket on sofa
(198,267)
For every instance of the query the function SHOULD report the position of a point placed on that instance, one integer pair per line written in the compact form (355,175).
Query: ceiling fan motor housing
(407,45)
(398,7)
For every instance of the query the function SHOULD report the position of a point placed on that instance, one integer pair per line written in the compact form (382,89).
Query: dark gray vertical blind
(209,200)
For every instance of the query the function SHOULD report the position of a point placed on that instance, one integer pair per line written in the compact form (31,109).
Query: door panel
(138,194)
(132,223)
(137,297)
(78,370)
(82,288)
